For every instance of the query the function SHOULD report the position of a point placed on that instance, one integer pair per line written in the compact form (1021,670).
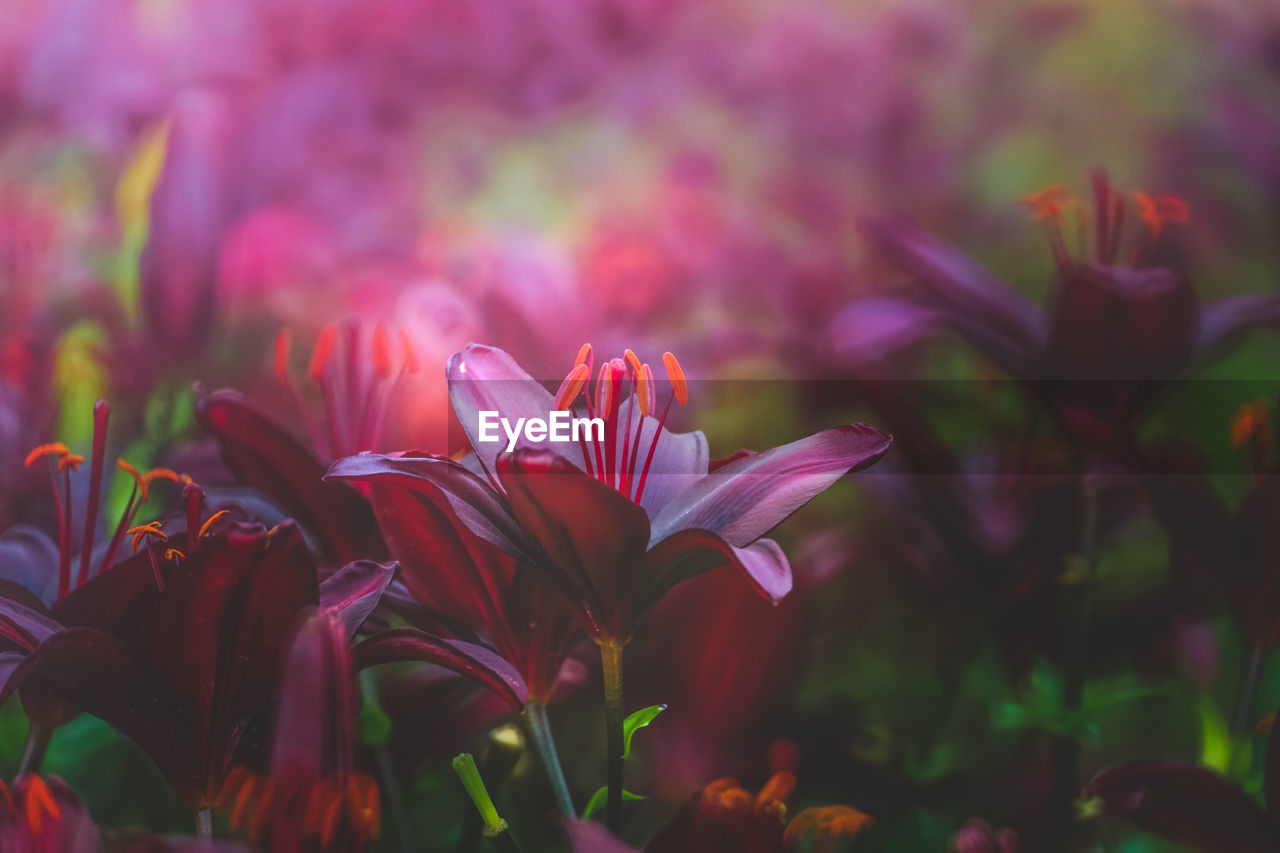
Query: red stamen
(381,351)
(657,434)
(410,356)
(282,356)
(321,354)
(101,415)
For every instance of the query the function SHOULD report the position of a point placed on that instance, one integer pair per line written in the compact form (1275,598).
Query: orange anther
(56,448)
(151,528)
(165,474)
(243,797)
(827,823)
(38,803)
(1155,212)
(676,374)
(174,554)
(633,362)
(137,478)
(70,460)
(775,792)
(282,355)
(604,390)
(320,355)
(584,356)
(213,519)
(1049,202)
(1249,421)
(644,390)
(571,387)
(381,351)
(329,825)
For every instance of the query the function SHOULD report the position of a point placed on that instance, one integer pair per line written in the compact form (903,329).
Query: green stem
(495,828)
(611,663)
(390,784)
(33,752)
(1248,693)
(1078,603)
(204,823)
(540,732)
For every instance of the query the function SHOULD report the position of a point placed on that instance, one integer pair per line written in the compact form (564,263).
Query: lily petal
(483,378)
(767,567)
(475,662)
(94,670)
(474,501)
(21,621)
(1005,324)
(590,530)
(265,456)
(1222,320)
(354,591)
(863,333)
(683,555)
(679,459)
(1188,805)
(749,496)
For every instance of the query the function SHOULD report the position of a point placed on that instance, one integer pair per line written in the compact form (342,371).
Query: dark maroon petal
(998,320)
(475,502)
(1224,320)
(183,643)
(1186,804)
(355,590)
(681,556)
(24,621)
(1120,323)
(449,570)
(590,529)
(475,662)
(117,599)
(95,671)
(280,584)
(263,454)
(315,723)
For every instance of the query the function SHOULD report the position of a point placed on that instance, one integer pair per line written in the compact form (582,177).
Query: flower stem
(390,784)
(540,731)
(1077,599)
(204,823)
(495,828)
(611,663)
(1248,692)
(33,752)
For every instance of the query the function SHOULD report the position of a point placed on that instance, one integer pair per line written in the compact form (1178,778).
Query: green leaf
(636,721)
(601,797)
(375,725)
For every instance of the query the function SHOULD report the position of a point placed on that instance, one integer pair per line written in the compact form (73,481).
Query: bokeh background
(180,180)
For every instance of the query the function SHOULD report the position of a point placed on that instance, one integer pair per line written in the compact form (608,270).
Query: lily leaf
(601,797)
(637,721)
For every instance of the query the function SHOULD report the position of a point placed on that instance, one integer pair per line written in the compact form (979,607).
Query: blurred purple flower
(1120,324)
